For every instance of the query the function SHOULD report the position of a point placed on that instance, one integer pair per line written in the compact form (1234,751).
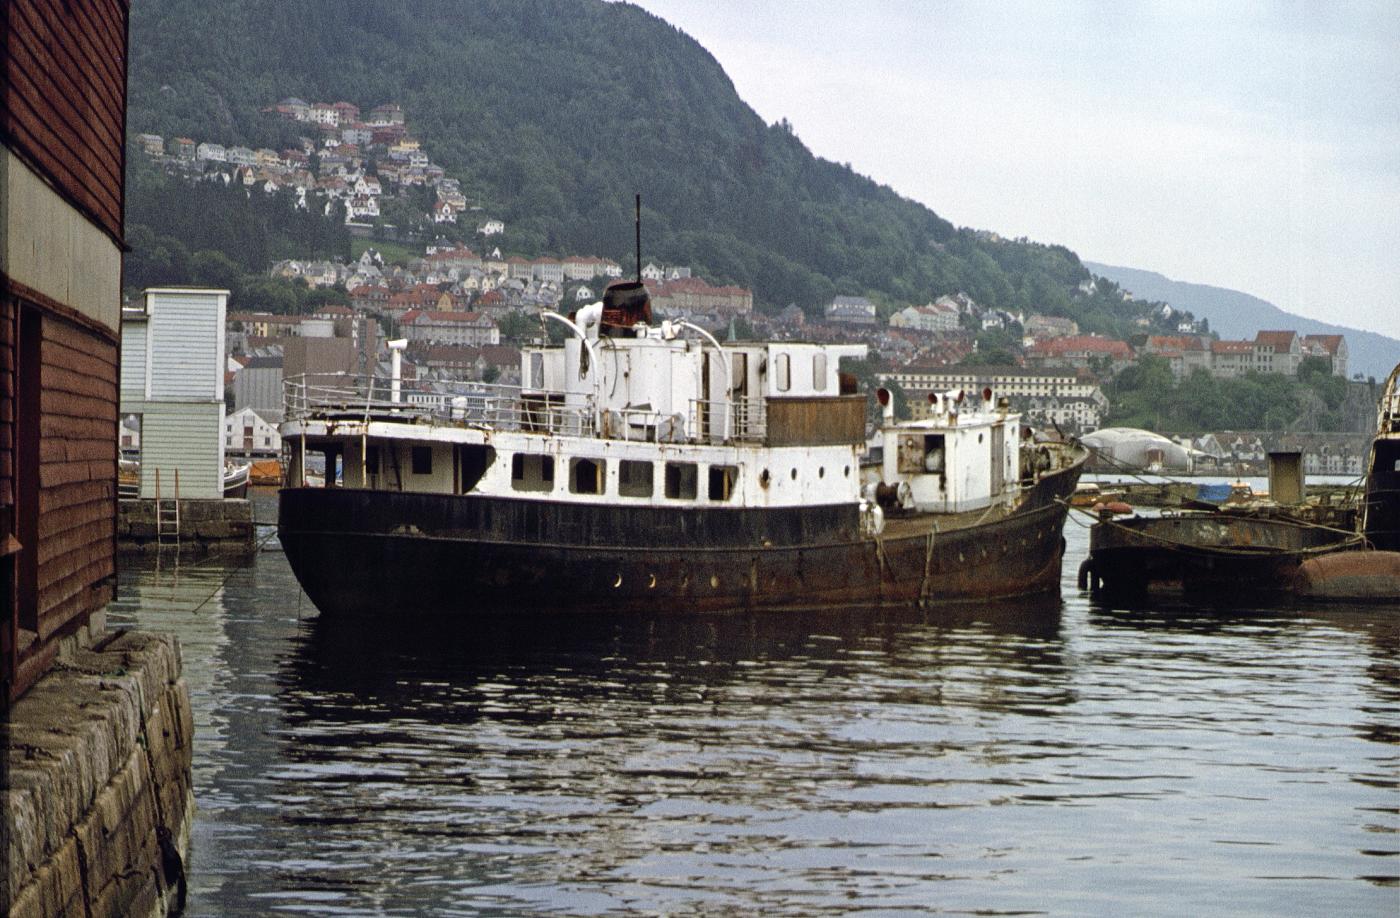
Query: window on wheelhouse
(531,472)
(586,476)
(722,478)
(681,480)
(782,372)
(819,372)
(634,479)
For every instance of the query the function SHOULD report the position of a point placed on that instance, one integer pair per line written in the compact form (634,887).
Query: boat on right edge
(1242,552)
(1380,508)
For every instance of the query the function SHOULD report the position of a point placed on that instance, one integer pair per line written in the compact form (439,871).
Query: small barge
(1219,553)
(646,466)
(1257,548)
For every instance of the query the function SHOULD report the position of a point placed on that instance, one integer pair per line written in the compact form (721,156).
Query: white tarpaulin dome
(1128,447)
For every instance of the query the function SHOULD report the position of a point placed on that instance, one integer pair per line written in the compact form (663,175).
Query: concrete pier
(206,526)
(98,790)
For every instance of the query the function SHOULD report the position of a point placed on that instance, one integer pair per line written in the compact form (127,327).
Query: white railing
(341,396)
(345,397)
(744,420)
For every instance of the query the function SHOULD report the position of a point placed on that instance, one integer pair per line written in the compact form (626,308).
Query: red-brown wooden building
(62,124)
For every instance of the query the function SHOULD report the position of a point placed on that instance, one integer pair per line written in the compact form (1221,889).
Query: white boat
(648,466)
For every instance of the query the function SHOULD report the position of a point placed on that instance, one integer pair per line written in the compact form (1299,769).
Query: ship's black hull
(376,553)
(1225,555)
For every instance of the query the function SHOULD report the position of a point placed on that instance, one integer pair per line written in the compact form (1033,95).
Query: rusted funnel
(625,304)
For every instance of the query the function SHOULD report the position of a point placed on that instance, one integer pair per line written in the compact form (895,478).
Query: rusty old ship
(647,466)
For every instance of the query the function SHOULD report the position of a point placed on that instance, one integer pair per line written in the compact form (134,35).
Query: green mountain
(553,113)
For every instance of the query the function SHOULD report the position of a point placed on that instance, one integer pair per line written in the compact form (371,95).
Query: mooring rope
(928,564)
(1352,538)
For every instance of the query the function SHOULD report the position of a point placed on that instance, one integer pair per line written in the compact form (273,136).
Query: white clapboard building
(172,380)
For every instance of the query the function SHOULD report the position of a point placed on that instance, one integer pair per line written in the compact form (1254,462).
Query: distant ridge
(1233,314)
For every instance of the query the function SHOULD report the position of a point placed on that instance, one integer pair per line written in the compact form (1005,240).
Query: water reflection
(1048,757)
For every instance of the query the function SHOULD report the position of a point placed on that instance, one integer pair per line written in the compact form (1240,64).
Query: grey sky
(1254,146)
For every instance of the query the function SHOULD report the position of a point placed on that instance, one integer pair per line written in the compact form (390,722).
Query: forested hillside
(553,113)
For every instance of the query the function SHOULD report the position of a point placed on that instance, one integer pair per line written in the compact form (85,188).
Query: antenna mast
(639,238)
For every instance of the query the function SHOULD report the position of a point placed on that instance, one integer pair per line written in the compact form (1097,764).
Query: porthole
(764,478)
(794,474)
(821,471)
(848,471)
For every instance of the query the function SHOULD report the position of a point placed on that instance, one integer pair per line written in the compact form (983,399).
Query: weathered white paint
(824,474)
(186,351)
(135,344)
(51,247)
(183,437)
(962,477)
(172,375)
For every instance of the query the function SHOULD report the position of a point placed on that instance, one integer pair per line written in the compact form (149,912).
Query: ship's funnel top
(625,303)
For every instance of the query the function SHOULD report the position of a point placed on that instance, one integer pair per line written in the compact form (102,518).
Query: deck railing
(346,397)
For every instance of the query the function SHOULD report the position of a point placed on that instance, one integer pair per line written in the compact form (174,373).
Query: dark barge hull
(378,553)
(1223,555)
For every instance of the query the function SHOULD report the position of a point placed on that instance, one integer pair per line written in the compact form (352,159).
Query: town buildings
(473,329)
(1043,396)
(934,317)
(693,296)
(1184,353)
(1038,326)
(851,310)
(1080,352)
(1277,352)
(248,434)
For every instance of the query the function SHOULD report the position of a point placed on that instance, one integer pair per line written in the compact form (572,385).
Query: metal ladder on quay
(168,513)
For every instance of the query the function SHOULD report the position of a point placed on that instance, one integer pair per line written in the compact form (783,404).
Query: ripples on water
(1058,757)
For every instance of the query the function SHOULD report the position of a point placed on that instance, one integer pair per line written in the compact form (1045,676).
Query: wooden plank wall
(816,421)
(9,316)
(64,87)
(63,114)
(77,474)
(9,628)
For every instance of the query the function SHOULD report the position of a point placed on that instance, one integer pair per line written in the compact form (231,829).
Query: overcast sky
(1254,146)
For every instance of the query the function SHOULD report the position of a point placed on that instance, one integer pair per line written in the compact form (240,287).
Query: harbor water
(1055,757)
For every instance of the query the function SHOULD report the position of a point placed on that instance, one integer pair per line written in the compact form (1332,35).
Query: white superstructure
(662,415)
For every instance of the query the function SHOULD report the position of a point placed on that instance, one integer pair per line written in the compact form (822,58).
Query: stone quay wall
(206,526)
(98,787)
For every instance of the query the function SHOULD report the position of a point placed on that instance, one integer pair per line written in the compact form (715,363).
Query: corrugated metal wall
(259,388)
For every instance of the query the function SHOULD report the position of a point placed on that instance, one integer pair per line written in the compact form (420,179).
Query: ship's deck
(920,524)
